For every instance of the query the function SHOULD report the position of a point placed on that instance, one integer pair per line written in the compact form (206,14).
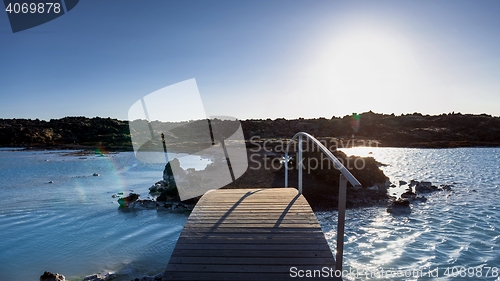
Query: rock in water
(409,194)
(425,187)
(49,276)
(167,188)
(143,204)
(413,183)
(446,187)
(168,174)
(400,206)
(126,201)
(100,277)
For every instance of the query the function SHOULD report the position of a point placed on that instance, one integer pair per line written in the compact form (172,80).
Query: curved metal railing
(345,176)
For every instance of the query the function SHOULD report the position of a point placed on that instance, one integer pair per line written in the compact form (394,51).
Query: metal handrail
(345,176)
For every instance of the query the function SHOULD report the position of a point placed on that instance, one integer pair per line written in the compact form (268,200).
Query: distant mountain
(412,130)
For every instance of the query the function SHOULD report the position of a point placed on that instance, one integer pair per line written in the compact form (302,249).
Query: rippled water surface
(74,227)
(452,231)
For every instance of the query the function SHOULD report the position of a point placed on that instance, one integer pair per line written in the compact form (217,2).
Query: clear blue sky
(257,59)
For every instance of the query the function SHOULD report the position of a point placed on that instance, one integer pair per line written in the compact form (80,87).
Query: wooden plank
(236,225)
(249,268)
(249,260)
(241,276)
(256,235)
(249,239)
(242,246)
(194,228)
(250,253)
(249,234)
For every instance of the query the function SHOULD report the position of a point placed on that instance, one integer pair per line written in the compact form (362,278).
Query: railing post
(300,164)
(286,168)
(341,222)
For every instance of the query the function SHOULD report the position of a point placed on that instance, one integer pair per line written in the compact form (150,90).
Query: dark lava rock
(143,204)
(401,203)
(49,276)
(446,187)
(100,277)
(365,169)
(408,194)
(399,207)
(413,183)
(126,201)
(168,175)
(425,187)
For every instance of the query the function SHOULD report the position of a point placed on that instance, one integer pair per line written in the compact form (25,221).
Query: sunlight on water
(363,151)
(452,230)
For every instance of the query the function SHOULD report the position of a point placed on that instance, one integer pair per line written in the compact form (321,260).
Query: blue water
(455,235)
(74,227)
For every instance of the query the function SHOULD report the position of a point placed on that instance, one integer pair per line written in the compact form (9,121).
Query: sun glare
(370,60)
(366,64)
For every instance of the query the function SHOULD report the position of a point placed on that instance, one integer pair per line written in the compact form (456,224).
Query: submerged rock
(100,277)
(49,276)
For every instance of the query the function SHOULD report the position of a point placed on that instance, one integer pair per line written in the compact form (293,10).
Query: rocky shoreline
(385,130)
(105,276)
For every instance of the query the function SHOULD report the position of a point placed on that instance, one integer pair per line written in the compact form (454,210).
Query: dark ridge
(411,130)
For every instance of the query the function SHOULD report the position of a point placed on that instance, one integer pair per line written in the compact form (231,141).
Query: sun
(370,59)
(364,63)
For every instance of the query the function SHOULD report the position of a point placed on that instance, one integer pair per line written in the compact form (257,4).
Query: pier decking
(251,234)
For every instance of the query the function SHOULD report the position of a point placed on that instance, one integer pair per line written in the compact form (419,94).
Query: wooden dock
(251,234)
